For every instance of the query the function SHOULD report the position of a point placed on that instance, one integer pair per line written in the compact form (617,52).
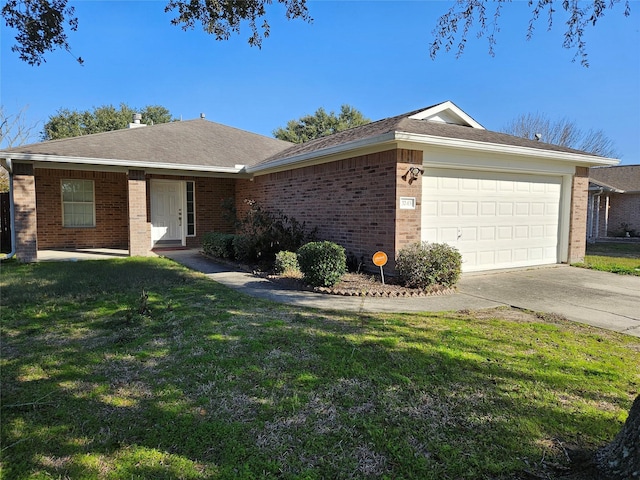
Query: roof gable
(446,112)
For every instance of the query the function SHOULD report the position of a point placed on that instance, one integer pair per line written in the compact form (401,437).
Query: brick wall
(353,202)
(111,230)
(624,208)
(578,218)
(26,224)
(139,226)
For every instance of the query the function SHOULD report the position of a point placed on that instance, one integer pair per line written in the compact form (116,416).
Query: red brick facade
(578,218)
(26,224)
(111,230)
(119,197)
(353,202)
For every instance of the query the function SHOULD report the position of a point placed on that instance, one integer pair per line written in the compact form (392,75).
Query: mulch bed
(351,284)
(359,285)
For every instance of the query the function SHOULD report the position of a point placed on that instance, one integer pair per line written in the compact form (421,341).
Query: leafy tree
(42,24)
(73,123)
(320,124)
(563,132)
(454,26)
(14,131)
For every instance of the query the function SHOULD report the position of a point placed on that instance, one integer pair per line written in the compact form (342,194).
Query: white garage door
(495,220)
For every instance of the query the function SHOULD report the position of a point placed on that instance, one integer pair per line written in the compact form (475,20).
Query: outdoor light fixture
(412,174)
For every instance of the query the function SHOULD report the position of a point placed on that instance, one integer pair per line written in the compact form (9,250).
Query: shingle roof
(623,177)
(191,142)
(209,144)
(402,123)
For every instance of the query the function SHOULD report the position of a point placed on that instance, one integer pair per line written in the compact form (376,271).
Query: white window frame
(83,202)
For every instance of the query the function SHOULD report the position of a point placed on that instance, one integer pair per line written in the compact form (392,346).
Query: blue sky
(371,55)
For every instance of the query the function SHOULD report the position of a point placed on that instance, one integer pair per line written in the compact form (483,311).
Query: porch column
(26,224)
(578,219)
(139,228)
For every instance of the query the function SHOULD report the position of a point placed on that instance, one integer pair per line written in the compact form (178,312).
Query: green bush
(218,245)
(265,232)
(421,265)
(286,262)
(322,263)
(245,248)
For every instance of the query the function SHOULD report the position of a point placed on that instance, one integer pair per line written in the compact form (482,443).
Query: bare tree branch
(455,25)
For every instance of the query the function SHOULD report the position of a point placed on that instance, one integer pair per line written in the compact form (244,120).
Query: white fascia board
(318,156)
(124,164)
(451,107)
(581,160)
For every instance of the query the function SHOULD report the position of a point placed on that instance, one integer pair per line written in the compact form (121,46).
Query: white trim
(577,159)
(128,164)
(451,109)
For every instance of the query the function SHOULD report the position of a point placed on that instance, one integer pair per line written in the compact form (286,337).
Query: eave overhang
(42,160)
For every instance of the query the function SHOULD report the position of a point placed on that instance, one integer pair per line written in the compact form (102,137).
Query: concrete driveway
(600,299)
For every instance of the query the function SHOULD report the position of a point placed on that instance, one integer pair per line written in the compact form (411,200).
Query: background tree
(578,15)
(73,123)
(563,132)
(42,24)
(320,124)
(14,131)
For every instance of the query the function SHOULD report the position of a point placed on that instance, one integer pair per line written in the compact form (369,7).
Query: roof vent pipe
(202,116)
(136,121)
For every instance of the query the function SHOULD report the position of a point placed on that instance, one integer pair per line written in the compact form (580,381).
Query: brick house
(434,174)
(614,202)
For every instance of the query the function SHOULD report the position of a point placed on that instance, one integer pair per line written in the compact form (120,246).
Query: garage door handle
(459,234)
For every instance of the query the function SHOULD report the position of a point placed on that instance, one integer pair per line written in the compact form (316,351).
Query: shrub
(245,248)
(421,265)
(218,245)
(286,262)
(322,263)
(266,232)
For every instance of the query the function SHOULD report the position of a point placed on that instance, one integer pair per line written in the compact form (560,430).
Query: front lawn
(139,368)
(621,258)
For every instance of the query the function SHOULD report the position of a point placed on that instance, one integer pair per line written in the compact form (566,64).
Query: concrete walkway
(600,299)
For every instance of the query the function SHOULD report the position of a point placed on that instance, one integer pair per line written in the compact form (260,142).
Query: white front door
(167,199)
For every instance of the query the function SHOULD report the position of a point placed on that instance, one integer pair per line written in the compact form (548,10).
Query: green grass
(208,383)
(621,258)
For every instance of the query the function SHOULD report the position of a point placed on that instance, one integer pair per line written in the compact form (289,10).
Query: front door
(167,198)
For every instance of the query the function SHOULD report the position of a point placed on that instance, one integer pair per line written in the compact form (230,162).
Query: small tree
(320,124)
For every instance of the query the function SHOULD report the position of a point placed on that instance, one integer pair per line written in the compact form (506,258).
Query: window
(191,209)
(78,205)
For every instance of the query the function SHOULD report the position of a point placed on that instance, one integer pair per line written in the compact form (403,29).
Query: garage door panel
(496,220)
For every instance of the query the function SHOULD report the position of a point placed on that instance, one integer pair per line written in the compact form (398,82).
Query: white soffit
(447,112)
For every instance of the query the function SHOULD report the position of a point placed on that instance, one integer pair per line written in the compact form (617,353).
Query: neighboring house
(433,174)
(614,202)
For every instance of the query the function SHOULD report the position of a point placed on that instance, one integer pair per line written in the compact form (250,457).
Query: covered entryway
(167,207)
(496,220)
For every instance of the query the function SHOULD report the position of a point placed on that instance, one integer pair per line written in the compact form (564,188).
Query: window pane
(78,203)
